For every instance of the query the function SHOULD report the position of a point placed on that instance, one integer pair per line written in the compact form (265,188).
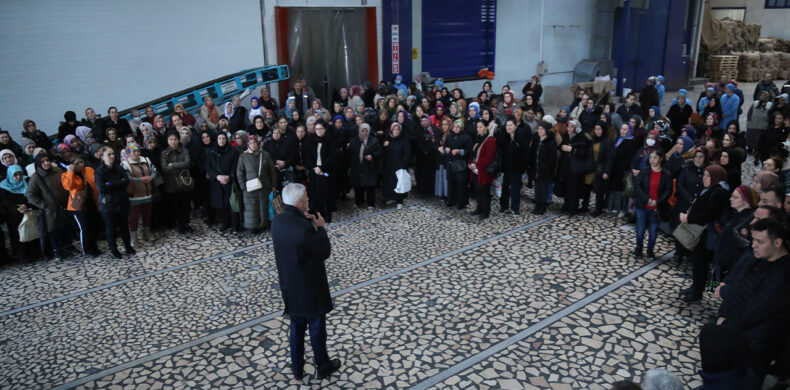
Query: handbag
(28,228)
(688,234)
(235,200)
(255,184)
(184,180)
(628,185)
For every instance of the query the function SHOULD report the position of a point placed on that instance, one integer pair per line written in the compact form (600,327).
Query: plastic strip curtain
(327,46)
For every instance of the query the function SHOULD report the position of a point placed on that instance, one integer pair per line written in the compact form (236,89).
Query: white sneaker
(400,206)
(620,214)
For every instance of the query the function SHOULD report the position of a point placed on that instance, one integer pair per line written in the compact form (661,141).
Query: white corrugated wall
(68,55)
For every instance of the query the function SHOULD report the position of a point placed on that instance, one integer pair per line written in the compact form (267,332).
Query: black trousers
(601,187)
(511,191)
(458,189)
(228,218)
(87,223)
(483,196)
(120,220)
(178,207)
(574,185)
(365,196)
(702,258)
(317,325)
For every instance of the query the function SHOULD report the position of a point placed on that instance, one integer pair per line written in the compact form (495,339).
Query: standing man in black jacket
(759,304)
(301,246)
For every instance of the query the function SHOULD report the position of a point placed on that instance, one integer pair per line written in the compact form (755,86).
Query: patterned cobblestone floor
(417,291)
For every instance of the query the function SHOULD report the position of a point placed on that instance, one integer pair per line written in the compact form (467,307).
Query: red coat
(485,156)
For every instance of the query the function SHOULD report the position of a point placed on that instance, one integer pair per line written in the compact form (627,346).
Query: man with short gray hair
(301,245)
(661,379)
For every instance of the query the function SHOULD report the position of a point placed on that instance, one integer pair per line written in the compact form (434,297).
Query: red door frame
(371,44)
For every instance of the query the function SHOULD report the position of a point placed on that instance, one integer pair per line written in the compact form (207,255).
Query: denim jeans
(646,219)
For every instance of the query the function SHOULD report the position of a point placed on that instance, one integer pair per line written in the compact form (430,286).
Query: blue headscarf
(476,106)
(688,143)
(335,119)
(16,187)
(657,110)
(567,115)
(630,135)
(256,101)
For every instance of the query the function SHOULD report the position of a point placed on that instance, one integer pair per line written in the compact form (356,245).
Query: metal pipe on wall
(623,47)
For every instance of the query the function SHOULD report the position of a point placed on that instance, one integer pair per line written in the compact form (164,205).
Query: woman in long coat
(221,168)
(319,162)
(46,192)
(255,163)
(397,153)
(363,155)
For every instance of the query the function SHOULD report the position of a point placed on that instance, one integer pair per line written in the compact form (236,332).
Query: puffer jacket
(73,183)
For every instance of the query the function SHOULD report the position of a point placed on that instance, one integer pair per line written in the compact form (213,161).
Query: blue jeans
(646,219)
(317,326)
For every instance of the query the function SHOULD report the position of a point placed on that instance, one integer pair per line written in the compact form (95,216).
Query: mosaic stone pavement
(424,296)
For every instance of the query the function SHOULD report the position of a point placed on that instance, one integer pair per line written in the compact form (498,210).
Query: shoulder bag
(689,234)
(255,184)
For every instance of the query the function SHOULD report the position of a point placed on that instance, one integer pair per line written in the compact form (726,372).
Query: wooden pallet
(719,65)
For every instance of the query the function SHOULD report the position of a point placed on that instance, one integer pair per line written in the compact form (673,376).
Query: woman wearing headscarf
(506,107)
(533,88)
(712,107)
(142,174)
(436,118)
(730,159)
(46,192)
(80,182)
(221,164)
(319,161)
(209,112)
(653,116)
(707,209)
(679,114)
(186,117)
(602,149)
(258,127)
(29,130)
(239,141)
(6,143)
(255,109)
(28,147)
(590,115)
(255,164)
(514,147)
(14,205)
(397,153)
(7,159)
(423,143)
(441,188)
(457,148)
(652,186)
(678,154)
(111,182)
(771,138)
(624,149)
(279,150)
(470,126)
(363,155)
(648,97)
(178,182)
(763,180)
(574,164)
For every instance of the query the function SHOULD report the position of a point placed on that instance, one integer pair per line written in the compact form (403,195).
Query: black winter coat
(622,162)
(514,151)
(678,117)
(642,188)
(461,141)
(759,303)
(689,185)
(122,129)
(589,118)
(112,183)
(710,206)
(363,173)
(221,161)
(300,251)
(605,161)
(543,159)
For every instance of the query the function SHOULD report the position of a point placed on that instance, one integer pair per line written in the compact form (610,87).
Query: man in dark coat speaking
(301,246)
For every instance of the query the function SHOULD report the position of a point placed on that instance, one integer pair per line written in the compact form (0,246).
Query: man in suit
(301,245)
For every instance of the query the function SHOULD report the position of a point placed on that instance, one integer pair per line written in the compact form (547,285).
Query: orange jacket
(73,184)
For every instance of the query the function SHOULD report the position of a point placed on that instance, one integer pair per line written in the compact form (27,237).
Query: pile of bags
(753,65)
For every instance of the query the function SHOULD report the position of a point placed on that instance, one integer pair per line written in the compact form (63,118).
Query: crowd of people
(114,177)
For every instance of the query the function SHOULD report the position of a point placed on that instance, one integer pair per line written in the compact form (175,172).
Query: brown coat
(46,192)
